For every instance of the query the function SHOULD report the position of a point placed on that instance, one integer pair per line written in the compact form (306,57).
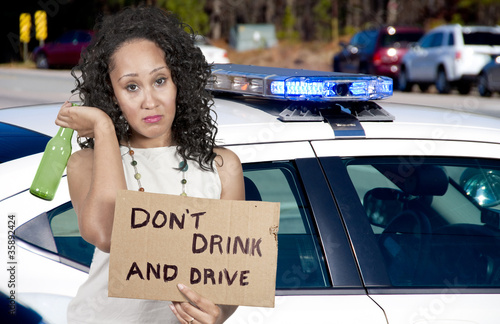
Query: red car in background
(64,51)
(376,51)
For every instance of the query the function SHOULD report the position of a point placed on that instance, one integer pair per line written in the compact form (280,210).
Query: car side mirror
(482,185)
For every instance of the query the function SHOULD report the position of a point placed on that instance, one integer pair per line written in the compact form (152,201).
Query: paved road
(29,86)
(471,103)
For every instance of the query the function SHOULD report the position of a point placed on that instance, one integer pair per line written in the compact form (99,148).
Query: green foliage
(323,16)
(467,4)
(350,30)
(288,30)
(457,19)
(192,12)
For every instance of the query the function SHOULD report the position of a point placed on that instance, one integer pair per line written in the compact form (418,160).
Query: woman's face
(143,86)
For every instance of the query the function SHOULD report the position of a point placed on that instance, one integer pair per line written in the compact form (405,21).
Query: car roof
(246,120)
(399,28)
(240,118)
(38,118)
(471,28)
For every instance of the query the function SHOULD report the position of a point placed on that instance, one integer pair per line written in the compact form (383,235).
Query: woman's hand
(84,120)
(200,310)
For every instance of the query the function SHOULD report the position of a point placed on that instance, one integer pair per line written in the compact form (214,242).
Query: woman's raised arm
(94,175)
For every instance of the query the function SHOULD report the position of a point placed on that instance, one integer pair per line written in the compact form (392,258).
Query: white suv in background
(449,56)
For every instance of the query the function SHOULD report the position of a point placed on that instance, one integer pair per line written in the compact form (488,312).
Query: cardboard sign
(225,250)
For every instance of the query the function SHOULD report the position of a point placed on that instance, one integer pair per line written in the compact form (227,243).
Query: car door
(67,49)
(423,228)
(317,278)
(81,40)
(425,57)
(57,51)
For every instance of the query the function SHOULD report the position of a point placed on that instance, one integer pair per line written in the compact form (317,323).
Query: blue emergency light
(296,84)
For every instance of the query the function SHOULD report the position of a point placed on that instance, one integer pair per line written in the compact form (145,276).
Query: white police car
(389,213)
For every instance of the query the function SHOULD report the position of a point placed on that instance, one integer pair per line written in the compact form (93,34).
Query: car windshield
(364,40)
(17,142)
(482,38)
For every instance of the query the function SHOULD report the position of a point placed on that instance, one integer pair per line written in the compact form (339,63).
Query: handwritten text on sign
(225,250)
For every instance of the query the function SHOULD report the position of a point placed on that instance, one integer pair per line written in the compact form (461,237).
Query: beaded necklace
(183,166)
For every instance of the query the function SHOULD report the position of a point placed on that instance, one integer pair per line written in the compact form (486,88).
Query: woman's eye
(160,81)
(132,87)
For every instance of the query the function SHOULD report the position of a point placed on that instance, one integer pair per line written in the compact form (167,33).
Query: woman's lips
(152,119)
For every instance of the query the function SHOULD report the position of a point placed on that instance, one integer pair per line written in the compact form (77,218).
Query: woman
(145,125)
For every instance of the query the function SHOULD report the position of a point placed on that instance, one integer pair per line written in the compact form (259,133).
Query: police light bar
(296,84)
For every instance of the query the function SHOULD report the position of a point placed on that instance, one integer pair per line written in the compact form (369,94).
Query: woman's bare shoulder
(231,174)
(226,158)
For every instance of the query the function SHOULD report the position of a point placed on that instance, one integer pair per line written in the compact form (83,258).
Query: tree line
(324,20)
(298,20)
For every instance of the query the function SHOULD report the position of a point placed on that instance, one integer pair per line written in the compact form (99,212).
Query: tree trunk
(215,20)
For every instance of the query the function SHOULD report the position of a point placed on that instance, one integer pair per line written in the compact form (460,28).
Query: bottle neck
(65,133)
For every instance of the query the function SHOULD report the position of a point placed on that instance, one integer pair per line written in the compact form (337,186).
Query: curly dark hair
(193,128)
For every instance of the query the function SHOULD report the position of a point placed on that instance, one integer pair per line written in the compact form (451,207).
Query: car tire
(336,65)
(41,61)
(483,86)
(424,87)
(464,87)
(442,84)
(403,83)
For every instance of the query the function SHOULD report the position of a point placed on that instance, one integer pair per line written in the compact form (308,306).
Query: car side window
(451,39)
(437,224)
(83,37)
(56,232)
(364,40)
(64,225)
(481,38)
(301,262)
(67,38)
(437,40)
(300,259)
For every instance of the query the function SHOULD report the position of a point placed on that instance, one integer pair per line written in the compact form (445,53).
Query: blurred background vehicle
(488,80)
(64,51)
(376,51)
(449,56)
(213,54)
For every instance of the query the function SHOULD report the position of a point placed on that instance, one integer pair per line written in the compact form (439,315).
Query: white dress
(157,167)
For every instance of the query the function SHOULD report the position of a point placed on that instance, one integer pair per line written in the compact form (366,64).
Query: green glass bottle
(52,165)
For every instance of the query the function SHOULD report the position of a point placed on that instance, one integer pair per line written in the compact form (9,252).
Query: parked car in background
(389,212)
(213,54)
(449,56)
(376,51)
(488,80)
(64,51)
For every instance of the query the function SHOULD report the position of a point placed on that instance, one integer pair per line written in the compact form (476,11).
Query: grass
(19,65)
